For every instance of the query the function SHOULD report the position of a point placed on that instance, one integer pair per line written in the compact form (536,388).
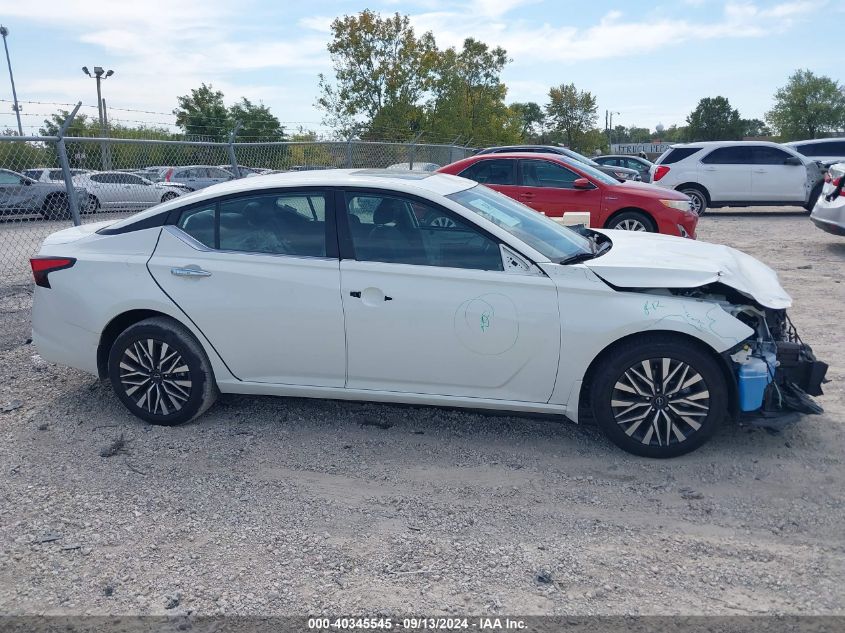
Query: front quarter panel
(594,316)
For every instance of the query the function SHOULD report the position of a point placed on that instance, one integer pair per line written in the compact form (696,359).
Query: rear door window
(730,155)
(498,171)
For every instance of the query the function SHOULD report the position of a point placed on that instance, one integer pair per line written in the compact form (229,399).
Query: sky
(647,62)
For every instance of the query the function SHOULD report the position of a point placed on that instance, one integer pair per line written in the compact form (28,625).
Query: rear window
(677,153)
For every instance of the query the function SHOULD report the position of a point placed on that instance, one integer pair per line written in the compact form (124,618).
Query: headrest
(388,210)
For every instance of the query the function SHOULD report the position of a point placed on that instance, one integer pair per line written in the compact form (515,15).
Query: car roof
(835,139)
(705,144)
(634,156)
(411,182)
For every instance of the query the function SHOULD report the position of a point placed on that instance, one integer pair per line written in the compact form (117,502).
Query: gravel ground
(280,506)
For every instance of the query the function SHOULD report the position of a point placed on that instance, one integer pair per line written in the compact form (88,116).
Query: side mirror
(793,160)
(25,181)
(582,183)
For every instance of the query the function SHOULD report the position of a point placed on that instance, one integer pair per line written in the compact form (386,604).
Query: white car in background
(825,150)
(324,284)
(51,174)
(829,212)
(117,190)
(739,173)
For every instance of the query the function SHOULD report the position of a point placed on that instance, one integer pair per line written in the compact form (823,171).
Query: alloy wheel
(154,375)
(660,401)
(631,224)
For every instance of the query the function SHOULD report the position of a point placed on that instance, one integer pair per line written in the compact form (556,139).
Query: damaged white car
(423,289)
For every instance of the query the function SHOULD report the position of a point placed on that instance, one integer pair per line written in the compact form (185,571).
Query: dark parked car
(620,173)
(21,195)
(641,165)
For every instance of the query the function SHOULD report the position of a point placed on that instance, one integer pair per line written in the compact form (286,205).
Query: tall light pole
(101,75)
(608,120)
(15,106)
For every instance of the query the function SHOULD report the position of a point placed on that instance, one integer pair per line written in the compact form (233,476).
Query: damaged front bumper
(794,374)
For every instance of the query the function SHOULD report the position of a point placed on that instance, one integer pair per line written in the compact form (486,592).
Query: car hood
(649,260)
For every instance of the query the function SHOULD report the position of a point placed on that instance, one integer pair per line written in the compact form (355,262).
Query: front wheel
(659,397)
(56,207)
(92,205)
(161,373)
(698,199)
(169,196)
(632,221)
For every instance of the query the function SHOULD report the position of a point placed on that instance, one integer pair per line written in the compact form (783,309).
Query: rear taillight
(660,171)
(827,176)
(168,175)
(42,266)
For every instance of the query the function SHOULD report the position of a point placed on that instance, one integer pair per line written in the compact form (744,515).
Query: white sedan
(340,284)
(118,190)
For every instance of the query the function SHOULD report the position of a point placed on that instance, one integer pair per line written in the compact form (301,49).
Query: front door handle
(190,272)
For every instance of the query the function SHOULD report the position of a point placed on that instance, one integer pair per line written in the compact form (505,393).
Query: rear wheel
(161,373)
(632,221)
(698,199)
(169,196)
(659,397)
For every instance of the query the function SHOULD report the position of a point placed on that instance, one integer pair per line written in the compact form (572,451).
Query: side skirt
(366,395)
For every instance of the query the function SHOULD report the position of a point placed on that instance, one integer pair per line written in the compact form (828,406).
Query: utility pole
(15,105)
(101,75)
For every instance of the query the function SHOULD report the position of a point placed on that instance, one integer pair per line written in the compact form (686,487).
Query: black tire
(92,204)
(632,221)
(56,207)
(672,411)
(814,197)
(699,198)
(168,400)
(169,196)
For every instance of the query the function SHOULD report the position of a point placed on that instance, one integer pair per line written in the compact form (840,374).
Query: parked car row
(556,185)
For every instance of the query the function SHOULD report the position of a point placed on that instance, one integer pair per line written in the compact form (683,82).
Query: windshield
(580,157)
(542,234)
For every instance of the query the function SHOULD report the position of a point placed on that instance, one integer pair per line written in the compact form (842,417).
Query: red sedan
(554,186)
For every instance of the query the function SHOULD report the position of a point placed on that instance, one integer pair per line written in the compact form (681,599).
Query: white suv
(739,174)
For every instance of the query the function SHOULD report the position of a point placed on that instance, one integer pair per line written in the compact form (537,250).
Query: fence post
(349,151)
(73,203)
(233,160)
(412,150)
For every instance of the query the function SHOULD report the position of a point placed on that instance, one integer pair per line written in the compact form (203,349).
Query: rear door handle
(357,295)
(190,272)
(761,171)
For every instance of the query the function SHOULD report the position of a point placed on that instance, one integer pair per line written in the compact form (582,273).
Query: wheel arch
(618,212)
(695,185)
(114,328)
(662,336)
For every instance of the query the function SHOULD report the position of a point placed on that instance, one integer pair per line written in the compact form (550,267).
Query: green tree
(572,112)
(806,106)
(754,127)
(469,96)
(257,122)
(81,125)
(203,113)
(532,120)
(714,120)
(382,70)
(639,134)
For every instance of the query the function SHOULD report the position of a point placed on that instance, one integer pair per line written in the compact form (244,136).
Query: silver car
(829,211)
(21,195)
(641,165)
(196,176)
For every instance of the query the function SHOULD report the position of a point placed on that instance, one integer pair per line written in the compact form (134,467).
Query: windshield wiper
(595,251)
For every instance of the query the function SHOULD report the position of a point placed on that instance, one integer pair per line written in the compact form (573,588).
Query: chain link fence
(48,183)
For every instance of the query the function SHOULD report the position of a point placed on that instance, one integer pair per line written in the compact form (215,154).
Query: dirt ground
(280,506)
